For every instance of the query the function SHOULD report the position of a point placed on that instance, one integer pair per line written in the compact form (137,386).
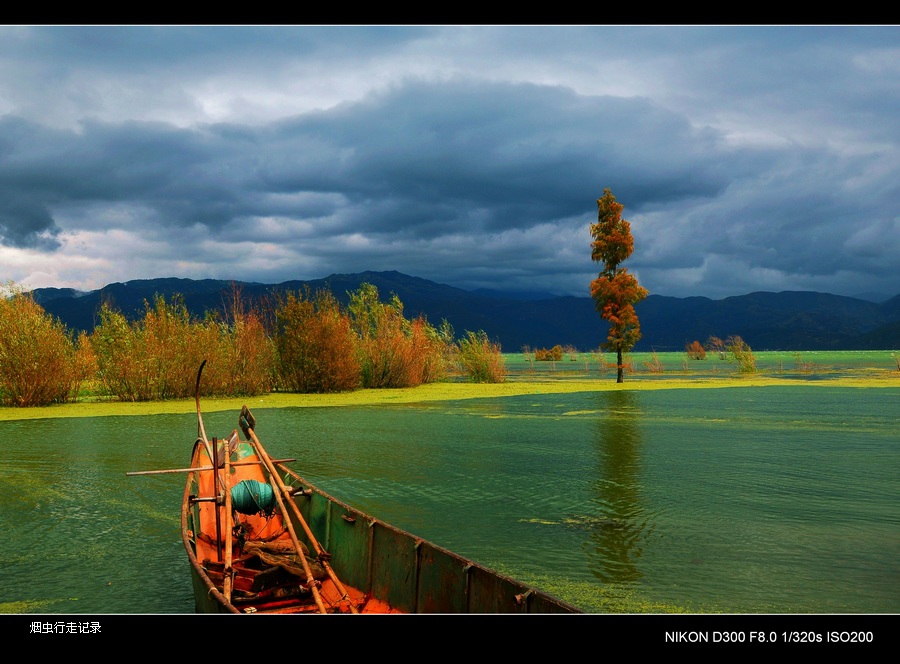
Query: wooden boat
(261,539)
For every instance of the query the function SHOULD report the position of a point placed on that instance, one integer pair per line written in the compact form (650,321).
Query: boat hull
(408,573)
(373,567)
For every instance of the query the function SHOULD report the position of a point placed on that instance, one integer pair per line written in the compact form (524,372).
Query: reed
(481,359)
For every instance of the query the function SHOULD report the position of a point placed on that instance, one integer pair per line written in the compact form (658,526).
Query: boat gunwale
(221,602)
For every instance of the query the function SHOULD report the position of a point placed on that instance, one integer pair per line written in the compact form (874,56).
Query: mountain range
(789,320)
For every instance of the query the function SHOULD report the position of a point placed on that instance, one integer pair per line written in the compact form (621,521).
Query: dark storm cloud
(525,154)
(746,158)
(148,47)
(25,223)
(419,161)
(169,170)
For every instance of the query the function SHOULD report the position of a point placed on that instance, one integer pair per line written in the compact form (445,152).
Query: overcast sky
(747,158)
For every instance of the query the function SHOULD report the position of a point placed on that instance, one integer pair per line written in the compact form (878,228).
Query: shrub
(156,357)
(381,341)
(480,359)
(315,345)
(122,367)
(174,350)
(85,361)
(435,346)
(392,351)
(548,355)
(241,352)
(695,351)
(39,364)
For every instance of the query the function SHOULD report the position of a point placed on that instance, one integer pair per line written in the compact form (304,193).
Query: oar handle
(247,421)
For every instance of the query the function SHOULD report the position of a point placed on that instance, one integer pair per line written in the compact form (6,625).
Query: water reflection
(615,543)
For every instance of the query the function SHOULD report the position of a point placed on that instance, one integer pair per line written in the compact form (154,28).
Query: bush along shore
(305,343)
(302,342)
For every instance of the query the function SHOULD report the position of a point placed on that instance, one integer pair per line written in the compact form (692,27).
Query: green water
(810,365)
(742,500)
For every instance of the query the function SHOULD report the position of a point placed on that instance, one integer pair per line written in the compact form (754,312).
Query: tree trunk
(620,376)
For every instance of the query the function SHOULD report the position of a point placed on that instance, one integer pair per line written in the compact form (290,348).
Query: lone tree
(615,292)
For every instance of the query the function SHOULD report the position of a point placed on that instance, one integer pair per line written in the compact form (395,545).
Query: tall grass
(480,358)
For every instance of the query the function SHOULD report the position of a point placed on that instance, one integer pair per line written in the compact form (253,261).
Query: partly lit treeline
(295,342)
(157,357)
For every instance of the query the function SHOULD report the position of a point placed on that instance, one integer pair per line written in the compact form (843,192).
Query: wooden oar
(320,552)
(229,573)
(247,422)
(311,583)
(215,460)
(212,454)
(273,478)
(201,431)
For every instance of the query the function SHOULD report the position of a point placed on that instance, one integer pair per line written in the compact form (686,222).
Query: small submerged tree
(695,351)
(654,364)
(615,291)
(741,353)
(716,345)
(528,354)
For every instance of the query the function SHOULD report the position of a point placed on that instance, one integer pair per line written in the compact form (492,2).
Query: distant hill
(790,320)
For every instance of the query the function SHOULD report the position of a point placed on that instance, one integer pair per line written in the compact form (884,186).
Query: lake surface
(776,499)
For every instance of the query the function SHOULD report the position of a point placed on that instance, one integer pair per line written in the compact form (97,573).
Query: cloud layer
(747,158)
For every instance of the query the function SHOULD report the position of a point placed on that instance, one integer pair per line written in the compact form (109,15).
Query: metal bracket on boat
(523,597)
(348,517)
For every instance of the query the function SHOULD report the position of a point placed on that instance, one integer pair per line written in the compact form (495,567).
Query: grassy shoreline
(444,391)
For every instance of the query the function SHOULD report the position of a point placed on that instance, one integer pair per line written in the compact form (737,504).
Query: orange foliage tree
(695,351)
(615,291)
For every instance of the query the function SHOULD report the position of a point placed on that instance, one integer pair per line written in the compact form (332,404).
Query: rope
(253,497)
